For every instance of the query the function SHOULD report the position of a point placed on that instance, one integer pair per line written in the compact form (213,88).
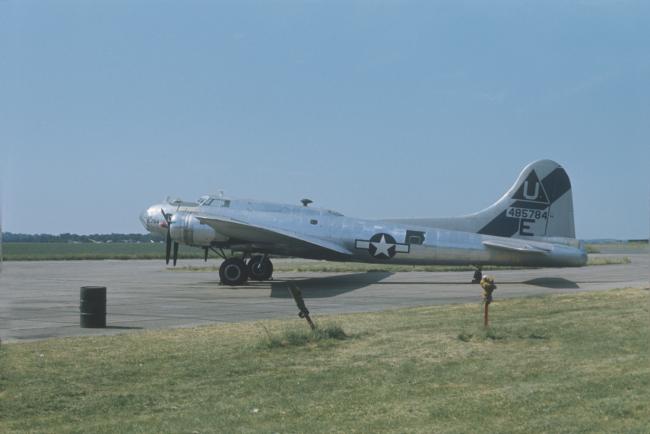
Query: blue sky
(376,109)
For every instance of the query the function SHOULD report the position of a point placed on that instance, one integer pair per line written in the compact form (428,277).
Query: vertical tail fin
(539,204)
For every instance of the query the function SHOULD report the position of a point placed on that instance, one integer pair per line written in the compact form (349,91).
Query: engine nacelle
(186,229)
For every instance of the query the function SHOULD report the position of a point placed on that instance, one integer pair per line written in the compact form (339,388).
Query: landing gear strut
(478,275)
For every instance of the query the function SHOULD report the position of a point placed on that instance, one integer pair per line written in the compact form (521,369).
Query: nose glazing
(143,218)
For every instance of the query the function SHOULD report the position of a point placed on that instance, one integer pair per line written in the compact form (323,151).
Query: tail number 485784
(527,213)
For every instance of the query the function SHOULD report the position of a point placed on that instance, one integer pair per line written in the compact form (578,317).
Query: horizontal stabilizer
(247,232)
(539,248)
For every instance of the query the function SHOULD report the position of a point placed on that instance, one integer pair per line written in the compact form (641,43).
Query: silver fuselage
(429,245)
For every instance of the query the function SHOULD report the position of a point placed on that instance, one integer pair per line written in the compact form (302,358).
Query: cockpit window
(224,203)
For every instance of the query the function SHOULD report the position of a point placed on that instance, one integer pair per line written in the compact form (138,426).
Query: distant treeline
(10,237)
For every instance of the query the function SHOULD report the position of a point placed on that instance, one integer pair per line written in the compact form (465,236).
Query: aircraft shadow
(546,282)
(552,282)
(330,286)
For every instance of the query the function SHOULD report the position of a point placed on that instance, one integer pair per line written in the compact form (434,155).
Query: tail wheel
(260,268)
(233,271)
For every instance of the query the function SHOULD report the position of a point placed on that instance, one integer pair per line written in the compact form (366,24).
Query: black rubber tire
(233,272)
(260,268)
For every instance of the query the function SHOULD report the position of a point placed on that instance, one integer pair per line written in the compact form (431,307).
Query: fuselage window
(313,221)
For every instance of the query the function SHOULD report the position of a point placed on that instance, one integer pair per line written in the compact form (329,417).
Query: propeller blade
(168,246)
(175,252)
(205,256)
(168,239)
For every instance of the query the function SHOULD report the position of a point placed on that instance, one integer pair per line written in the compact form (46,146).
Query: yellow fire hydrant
(487,283)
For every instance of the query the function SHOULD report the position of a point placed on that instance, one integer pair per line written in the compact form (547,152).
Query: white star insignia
(382,246)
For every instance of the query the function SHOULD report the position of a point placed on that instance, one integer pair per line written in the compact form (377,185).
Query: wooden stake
(300,302)
(487,283)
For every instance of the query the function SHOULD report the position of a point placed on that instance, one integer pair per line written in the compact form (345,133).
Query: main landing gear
(233,272)
(236,271)
(260,268)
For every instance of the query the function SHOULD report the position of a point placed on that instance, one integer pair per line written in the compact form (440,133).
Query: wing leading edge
(247,232)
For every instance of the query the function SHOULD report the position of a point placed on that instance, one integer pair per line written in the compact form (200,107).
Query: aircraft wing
(247,232)
(521,247)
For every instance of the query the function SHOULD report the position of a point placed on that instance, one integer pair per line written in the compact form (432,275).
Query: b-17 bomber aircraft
(530,225)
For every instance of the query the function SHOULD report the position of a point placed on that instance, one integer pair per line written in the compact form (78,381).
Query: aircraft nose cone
(143,218)
(153,220)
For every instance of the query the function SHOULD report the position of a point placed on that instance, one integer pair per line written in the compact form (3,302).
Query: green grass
(70,251)
(609,260)
(619,247)
(296,336)
(556,364)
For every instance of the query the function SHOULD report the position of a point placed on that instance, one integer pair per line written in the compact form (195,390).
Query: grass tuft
(296,337)
(609,260)
(501,334)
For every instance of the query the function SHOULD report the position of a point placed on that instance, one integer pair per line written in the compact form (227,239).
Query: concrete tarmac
(40,300)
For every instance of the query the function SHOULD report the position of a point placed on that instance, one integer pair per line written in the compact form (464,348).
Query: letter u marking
(534,196)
